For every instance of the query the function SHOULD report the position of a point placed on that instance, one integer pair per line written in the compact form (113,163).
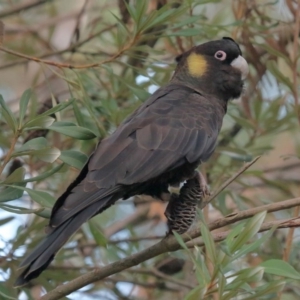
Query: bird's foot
(204,189)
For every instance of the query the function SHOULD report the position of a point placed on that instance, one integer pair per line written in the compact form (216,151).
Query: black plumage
(159,145)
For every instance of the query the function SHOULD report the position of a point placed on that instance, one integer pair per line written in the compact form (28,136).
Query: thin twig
(289,239)
(149,285)
(139,215)
(21,7)
(69,49)
(70,66)
(9,153)
(295,60)
(227,182)
(172,279)
(158,274)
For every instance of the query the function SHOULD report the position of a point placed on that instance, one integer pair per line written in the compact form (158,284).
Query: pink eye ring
(220,55)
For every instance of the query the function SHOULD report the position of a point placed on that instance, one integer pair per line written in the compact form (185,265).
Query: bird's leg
(204,189)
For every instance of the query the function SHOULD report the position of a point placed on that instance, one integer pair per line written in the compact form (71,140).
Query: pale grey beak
(241,64)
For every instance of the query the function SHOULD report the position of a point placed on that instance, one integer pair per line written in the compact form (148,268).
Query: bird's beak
(241,64)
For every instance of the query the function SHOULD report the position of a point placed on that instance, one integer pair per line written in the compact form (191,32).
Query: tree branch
(22,6)
(59,52)
(220,236)
(169,244)
(70,66)
(227,182)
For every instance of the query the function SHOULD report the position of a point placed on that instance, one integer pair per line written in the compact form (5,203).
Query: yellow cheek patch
(197,64)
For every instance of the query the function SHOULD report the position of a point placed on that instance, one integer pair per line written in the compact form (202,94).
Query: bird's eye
(220,55)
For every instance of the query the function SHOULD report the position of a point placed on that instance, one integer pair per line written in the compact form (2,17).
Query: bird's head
(215,68)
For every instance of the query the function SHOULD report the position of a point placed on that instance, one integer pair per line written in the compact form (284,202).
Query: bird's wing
(174,126)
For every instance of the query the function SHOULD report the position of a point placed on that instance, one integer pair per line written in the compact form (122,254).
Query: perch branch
(169,244)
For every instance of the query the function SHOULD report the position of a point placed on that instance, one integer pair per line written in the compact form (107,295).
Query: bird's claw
(204,188)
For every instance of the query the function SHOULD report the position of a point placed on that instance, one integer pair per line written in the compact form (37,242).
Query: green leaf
(16,176)
(11,193)
(253,246)
(249,274)
(280,268)
(250,229)
(97,233)
(8,115)
(38,147)
(267,289)
(78,115)
(19,210)
(6,220)
(221,283)
(237,156)
(185,32)
(195,294)
(209,243)
(273,68)
(76,132)
(40,122)
(272,50)
(58,107)
(74,158)
(231,237)
(190,20)
(44,213)
(47,155)
(45,174)
(247,124)
(180,240)
(6,293)
(34,144)
(23,106)
(40,197)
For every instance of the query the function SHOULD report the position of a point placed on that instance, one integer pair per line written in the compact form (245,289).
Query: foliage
(84,68)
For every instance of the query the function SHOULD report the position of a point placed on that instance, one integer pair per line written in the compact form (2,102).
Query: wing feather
(170,129)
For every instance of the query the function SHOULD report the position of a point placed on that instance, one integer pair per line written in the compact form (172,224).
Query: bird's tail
(34,264)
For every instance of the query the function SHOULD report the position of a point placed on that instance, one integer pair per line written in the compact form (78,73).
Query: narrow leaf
(19,210)
(39,121)
(280,268)
(209,243)
(40,197)
(76,132)
(8,115)
(74,158)
(6,220)
(34,144)
(250,229)
(23,106)
(57,108)
(48,154)
(45,174)
(16,176)
(96,231)
(11,193)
